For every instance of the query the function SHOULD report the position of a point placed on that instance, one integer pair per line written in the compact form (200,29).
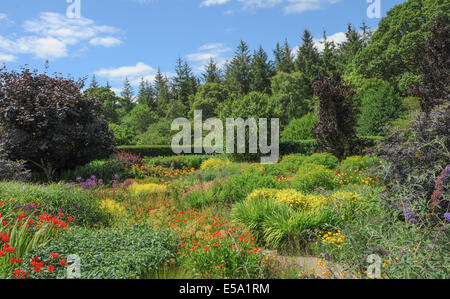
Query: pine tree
(283,58)
(350,47)
(261,70)
(162,91)
(308,58)
(328,56)
(212,73)
(127,95)
(94,83)
(238,70)
(146,95)
(184,83)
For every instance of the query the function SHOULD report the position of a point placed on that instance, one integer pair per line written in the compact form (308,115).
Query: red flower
(2,253)
(61,214)
(217,266)
(51,269)
(70,218)
(63,262)
(54,256)
(37,269)
(21,216)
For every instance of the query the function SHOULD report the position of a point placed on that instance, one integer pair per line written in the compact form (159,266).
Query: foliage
(214,164)
(300,129)
(335,132)
(357,163)
(324,159)
(55,198)
(12,170)
(103,169)
(399,43)
(58,129)
(379,104)
(311,176)
(122,253)
(434,89)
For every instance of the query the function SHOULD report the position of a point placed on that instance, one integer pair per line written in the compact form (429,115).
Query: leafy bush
(214,164)
(238,187)
(325,159)
(311,176)
(12,170)
(147,188)
(178,162)
(379,104)
(102,169)
(278,226)
(335,132)
(300,129)
(357,163)
(129,159)
(293,198)
(51,134)
(148,150)
(55,198)
(253,169)
(125,253)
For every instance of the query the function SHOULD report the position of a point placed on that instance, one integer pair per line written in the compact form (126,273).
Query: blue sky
(115,39)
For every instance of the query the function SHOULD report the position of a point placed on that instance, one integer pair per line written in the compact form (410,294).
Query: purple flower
(30,207)
(100,182)
(127,183)
(93,177)
(116,177)
(408,214)
(79,179)
(447,216)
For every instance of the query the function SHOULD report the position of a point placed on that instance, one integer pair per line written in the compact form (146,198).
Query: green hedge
(305,147)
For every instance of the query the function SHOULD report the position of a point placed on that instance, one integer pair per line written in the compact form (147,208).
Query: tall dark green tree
(308,58)
(126,96)
(146,95)
(261,71)
(212,73)
(94,82)
(348,49)
(284,61)
(238,70)
(184,83)
(162,90)
(328,56)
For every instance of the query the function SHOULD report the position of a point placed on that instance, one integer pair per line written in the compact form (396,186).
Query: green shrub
(278,226)
(357,163)
(300,129)
(74,201)
(126,253)
(379,104)
(102,169)
(312,176)
(325,159)
(238,187)
(178,162)
(253,169)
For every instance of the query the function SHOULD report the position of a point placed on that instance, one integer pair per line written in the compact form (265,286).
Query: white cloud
(3,16)
(53,35)
(216,51)
(106,42)
(337,38)
(289,6)
(134,73)
(213,2)
(300,6)
(7,58)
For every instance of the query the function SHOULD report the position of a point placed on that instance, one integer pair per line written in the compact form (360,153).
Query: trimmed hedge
(305,147)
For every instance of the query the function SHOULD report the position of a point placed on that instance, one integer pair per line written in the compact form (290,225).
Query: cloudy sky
(115,39)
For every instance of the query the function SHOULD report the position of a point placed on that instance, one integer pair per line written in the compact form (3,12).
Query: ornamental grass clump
(138,189)
(214,164)
(311,176)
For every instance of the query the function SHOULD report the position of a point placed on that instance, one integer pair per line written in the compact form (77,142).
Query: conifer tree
(308,58)
(261,70)
(127,95)
(212,73)
(238,70)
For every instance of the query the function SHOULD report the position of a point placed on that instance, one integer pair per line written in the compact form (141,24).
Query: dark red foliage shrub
(47,122)
(434,89)
(335,132)
(129,159)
